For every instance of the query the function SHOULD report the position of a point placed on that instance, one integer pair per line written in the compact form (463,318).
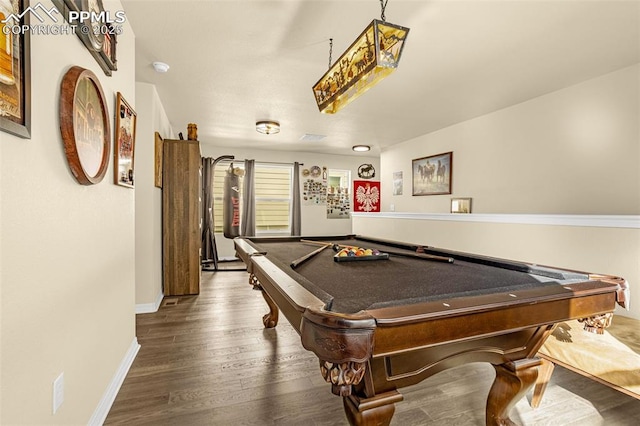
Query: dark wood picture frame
(15,78)
(157,144)
(84,125)
(125,142)
(432,175)
(99,39)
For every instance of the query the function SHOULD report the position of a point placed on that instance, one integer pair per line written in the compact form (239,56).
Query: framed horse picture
(432,175)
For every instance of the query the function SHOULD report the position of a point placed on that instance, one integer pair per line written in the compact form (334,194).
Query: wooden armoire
(181,216)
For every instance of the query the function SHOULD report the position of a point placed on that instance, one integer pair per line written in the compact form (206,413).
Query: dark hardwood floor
(207,360)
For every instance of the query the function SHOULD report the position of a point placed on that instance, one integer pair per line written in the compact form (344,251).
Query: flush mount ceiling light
(160,67)
(268,127)
(373,56)
(361,148)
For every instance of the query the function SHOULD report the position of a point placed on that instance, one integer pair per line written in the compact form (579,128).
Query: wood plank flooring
(207,360)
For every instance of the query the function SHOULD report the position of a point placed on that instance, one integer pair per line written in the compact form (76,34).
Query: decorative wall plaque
(84,125)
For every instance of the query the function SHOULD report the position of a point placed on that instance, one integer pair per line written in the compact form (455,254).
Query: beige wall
(574,151)
(314,218)
(571,152)
(148,224)
(597,249)
(66,250)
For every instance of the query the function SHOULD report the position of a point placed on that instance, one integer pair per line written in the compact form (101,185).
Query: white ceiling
(235,62)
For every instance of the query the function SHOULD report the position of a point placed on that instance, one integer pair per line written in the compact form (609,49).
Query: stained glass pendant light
(373,56)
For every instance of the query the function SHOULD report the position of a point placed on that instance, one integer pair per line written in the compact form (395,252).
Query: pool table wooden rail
(368,355)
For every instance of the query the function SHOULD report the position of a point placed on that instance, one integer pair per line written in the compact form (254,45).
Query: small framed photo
(432,175)
(461,205)
(125,141)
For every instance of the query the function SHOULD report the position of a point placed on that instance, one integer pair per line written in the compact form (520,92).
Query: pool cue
(422,256)
(323,243)
(306,257)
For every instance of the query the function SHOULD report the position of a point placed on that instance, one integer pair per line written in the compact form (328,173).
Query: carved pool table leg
(375,411)
(342,375)
(544,375)
(513,379)
(269,320)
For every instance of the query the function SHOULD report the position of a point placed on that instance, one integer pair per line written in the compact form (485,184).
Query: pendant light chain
(383,5)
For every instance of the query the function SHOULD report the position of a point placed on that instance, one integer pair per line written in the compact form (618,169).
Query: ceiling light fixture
(267,127)
(160,67)
(373,56)
(361,148)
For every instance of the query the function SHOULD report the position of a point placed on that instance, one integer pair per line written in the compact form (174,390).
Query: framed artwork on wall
(366,171)
(366,196)
(125,142)
(432,175)
(15,70)
(397,183)
(461,205)
(99,37)
(84,125)
(158,160)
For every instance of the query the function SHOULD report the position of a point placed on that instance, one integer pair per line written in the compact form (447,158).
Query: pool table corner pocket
(343,344)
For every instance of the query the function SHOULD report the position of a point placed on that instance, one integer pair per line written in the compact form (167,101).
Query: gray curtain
(248,222)
(209,252)
(296,219)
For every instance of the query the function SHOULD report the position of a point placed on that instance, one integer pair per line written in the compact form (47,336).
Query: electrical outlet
(58,392)
(392,207)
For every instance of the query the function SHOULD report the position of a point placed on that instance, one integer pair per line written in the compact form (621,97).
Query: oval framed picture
(84,125)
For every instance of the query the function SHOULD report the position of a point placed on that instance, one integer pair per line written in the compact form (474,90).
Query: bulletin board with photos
(329,188)
(314,192)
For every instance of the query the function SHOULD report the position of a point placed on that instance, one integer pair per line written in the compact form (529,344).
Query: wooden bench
(611,358)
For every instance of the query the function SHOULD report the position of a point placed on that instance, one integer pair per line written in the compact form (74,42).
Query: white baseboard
(101,412)
(147,308)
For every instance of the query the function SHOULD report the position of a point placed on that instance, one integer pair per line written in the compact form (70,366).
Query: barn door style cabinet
(181,217)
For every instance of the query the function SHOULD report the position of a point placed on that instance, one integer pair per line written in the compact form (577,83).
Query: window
(338,199)
(273,198)
(273,184)
(339,179)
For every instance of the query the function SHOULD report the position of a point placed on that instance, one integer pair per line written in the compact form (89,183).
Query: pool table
(379,324)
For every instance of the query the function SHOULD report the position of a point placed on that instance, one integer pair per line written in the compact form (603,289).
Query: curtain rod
(273,162)
(261,162)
